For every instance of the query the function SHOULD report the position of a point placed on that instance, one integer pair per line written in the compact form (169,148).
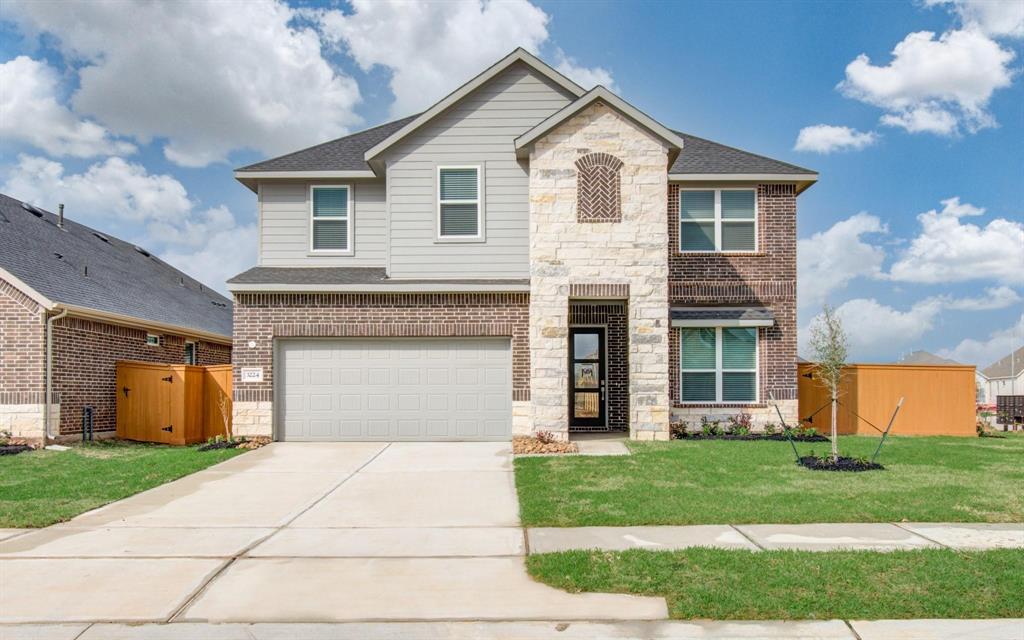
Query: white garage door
(395,389)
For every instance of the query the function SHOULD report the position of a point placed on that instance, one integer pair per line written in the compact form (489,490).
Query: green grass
(40,488)
(793,585)
(936,479)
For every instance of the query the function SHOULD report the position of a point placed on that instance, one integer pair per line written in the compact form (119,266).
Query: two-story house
(522,256)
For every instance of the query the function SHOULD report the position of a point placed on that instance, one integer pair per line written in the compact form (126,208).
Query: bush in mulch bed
(219,444)
(13,449)
(797,437)
(826,463)
(739,427)
(239,443)
(542,442)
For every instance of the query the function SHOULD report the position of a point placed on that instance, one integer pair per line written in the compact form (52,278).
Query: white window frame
(718,370)
(350,218)
(149,340)
(195,352)
(479,202)
(717,220)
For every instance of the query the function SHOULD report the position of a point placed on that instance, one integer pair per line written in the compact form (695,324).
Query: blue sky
(135,116)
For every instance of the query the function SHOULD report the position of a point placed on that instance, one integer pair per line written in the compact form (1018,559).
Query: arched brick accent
(598,188)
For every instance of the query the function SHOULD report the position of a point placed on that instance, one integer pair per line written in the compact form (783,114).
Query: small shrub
(770,429)
(679,429)
(739,424)
(5,438)
(710,427)
(545,437)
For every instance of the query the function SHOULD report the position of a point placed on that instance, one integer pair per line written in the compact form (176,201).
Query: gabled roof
(86,271)
(708,157)
(598,94)
(520,55)
(1008,366)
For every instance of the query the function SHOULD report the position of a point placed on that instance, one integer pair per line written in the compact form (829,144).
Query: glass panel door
(586,377)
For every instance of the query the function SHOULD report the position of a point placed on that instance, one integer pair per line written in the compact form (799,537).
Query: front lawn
(934,479)
(40,488)
(794,585)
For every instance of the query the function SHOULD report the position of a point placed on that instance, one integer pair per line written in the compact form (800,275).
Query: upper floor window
(458,196)
(331,219)
(717,220)
(598,188)
(718,364)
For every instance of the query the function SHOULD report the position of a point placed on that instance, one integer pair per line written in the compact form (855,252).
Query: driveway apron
(311,532)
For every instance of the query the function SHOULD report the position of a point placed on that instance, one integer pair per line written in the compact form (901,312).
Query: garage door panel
(395,389)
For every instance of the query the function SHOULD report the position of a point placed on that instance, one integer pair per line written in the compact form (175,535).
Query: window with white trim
(717,220)
(458,202)
(718,364)
(152,340)
(330,219)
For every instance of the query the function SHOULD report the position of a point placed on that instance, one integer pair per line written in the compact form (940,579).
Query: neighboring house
(522,256)
(89,299)
(1005,377)
(927,357)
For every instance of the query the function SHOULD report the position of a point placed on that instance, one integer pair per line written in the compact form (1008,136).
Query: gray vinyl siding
(479,130)
(284,225)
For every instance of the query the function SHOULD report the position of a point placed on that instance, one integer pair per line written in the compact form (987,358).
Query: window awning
(722,317)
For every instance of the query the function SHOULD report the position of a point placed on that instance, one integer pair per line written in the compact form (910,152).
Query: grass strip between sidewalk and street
(800,585)
(926,479)
(40,488)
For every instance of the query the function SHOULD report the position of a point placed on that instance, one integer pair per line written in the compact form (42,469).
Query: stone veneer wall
(632,252)
(260,318)
(765,278)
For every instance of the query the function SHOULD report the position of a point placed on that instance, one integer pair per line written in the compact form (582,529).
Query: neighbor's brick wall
(613,317)
(261,317)
(85,354)
(22,348)
(766,278)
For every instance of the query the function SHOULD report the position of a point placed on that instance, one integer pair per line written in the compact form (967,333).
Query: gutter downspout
(49,372)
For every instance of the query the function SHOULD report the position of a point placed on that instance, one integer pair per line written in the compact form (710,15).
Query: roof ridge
(323,144)
(749,153)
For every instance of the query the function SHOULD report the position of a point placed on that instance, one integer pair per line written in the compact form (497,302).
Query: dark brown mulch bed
(841,464)
(223,444)
(13,449)
(751,436)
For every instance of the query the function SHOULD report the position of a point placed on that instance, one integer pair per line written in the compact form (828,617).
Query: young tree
(829,347)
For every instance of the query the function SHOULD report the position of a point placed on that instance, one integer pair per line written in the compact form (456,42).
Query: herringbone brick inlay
(599,188)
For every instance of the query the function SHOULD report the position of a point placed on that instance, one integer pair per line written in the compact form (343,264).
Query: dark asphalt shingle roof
(120,279)
(722,313)
(344,275)
(698,156)
(342,154)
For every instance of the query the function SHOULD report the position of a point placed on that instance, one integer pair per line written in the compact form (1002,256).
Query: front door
(586,377)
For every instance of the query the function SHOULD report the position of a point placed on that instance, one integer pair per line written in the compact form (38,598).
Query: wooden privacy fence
(172,403)
(939,399)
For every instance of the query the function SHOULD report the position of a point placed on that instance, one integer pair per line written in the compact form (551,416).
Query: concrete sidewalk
(532,630)
(805,537)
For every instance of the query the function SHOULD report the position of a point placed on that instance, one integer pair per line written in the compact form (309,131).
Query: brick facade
(22,347)
(765,278)
(599,190)
(85,354)
(259,318)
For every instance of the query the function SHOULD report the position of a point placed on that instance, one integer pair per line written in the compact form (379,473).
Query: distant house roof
(925,357)
(1009,366)
(79,267)
(358,279)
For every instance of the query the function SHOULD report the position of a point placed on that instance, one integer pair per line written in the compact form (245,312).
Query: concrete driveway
(303,532)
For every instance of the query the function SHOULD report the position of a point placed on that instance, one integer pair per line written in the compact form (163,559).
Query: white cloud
(936,85)
(949,250)
(830,259)
(210,77)
(586,77)
(30,113)
(994,17)
(993,298)
(986,351)
(157,207)
(875,329)
(826,138)
(432,48)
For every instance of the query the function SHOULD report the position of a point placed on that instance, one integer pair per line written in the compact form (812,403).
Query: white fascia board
(20,285)
(722,323)
(598,93)
(378,288)
(131,321)
(302,175)
(519,55)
